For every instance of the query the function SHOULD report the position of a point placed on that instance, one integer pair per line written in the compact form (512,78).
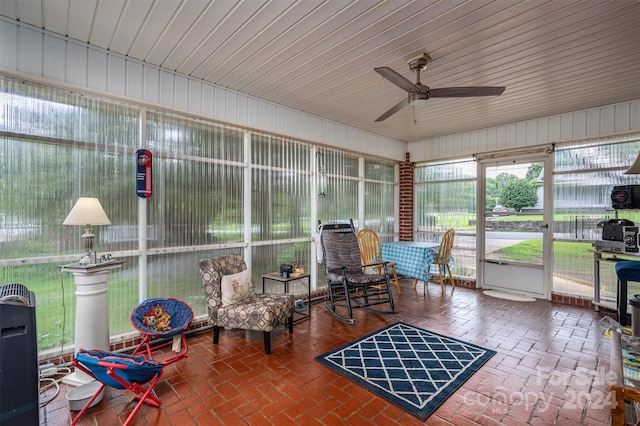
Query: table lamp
(87,211)
(635,167)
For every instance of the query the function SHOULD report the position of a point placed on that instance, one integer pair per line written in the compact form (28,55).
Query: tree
(518,194)
(494,188)
(534,171)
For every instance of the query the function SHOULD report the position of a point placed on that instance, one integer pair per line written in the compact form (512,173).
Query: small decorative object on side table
(303,304)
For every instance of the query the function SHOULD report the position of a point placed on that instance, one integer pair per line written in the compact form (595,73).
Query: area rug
(413,368)
(508,296)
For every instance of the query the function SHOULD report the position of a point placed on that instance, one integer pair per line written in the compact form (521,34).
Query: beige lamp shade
(635,167)
(87,211)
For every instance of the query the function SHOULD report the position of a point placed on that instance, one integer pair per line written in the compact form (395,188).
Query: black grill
(17,293)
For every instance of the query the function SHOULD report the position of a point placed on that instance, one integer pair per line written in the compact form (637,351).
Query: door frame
(546,157)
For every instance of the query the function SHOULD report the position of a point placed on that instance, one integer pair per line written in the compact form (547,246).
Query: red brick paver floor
(551,367)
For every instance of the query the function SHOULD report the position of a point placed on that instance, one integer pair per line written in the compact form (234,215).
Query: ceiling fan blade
(396,79)
(392,111)
(461,92)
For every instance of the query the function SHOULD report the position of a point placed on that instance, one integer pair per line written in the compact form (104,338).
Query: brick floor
(551,367)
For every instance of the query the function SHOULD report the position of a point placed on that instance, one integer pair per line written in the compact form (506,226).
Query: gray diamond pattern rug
(413,368)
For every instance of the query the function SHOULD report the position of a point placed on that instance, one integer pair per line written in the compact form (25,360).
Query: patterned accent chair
(261,312)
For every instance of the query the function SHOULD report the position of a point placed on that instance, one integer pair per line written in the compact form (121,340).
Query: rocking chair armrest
(337,270)
(373,265)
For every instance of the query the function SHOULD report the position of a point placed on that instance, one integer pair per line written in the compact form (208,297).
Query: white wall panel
(280,119)
(491,135)
(272,117)
(151,85)
(605,121)
(8,46)
(30,53)
(195,96)
(242,109)
(166,89)
(76,64)
(288,122)
(521,134)
(116,75)
(97,64)
(622,118)
(465,142)
(511,135)
(252,112)
(481,136)
(312,133)
(501,138)
(134,80)
(303,131)
(53,58)
(593,122)
(263,115)
(96,71)
(634,111)
(181,93)
(232,106)
(554,128)
(579,125)
(532,134)
(220,103)
(329,132)
(542,130)
(566,126)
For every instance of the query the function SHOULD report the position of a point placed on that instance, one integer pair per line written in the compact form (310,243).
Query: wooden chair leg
(451,280)
(290,321)
(425,289)
(267,342)
(441,276)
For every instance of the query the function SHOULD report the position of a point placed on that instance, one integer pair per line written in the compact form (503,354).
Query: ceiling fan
(418,93)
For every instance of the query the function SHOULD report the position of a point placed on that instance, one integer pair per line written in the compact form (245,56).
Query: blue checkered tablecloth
(413,258)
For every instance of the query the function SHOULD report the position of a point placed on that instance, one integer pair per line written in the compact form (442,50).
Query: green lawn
(570,258)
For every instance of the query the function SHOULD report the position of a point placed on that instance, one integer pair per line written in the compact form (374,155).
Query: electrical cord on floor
(50,374)
(48,379)
(64,310)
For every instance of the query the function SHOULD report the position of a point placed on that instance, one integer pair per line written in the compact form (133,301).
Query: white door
(514,219)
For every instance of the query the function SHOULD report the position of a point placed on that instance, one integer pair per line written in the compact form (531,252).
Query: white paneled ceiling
(553,56)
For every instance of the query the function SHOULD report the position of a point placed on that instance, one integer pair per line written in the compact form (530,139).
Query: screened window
(216,190)
(445,197)
(584,176)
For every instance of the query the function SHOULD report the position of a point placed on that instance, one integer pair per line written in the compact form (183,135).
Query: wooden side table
(303,305)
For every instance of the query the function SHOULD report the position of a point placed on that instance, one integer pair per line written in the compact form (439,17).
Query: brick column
(406,199)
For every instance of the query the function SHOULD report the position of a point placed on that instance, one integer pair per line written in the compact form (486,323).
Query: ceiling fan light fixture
(418,99)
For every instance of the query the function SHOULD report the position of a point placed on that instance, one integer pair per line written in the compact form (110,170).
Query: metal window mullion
(247,198)
(142,219)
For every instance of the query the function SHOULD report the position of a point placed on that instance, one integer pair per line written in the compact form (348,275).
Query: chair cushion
(628,270)
(149,314)
(236,287)
(261,312)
